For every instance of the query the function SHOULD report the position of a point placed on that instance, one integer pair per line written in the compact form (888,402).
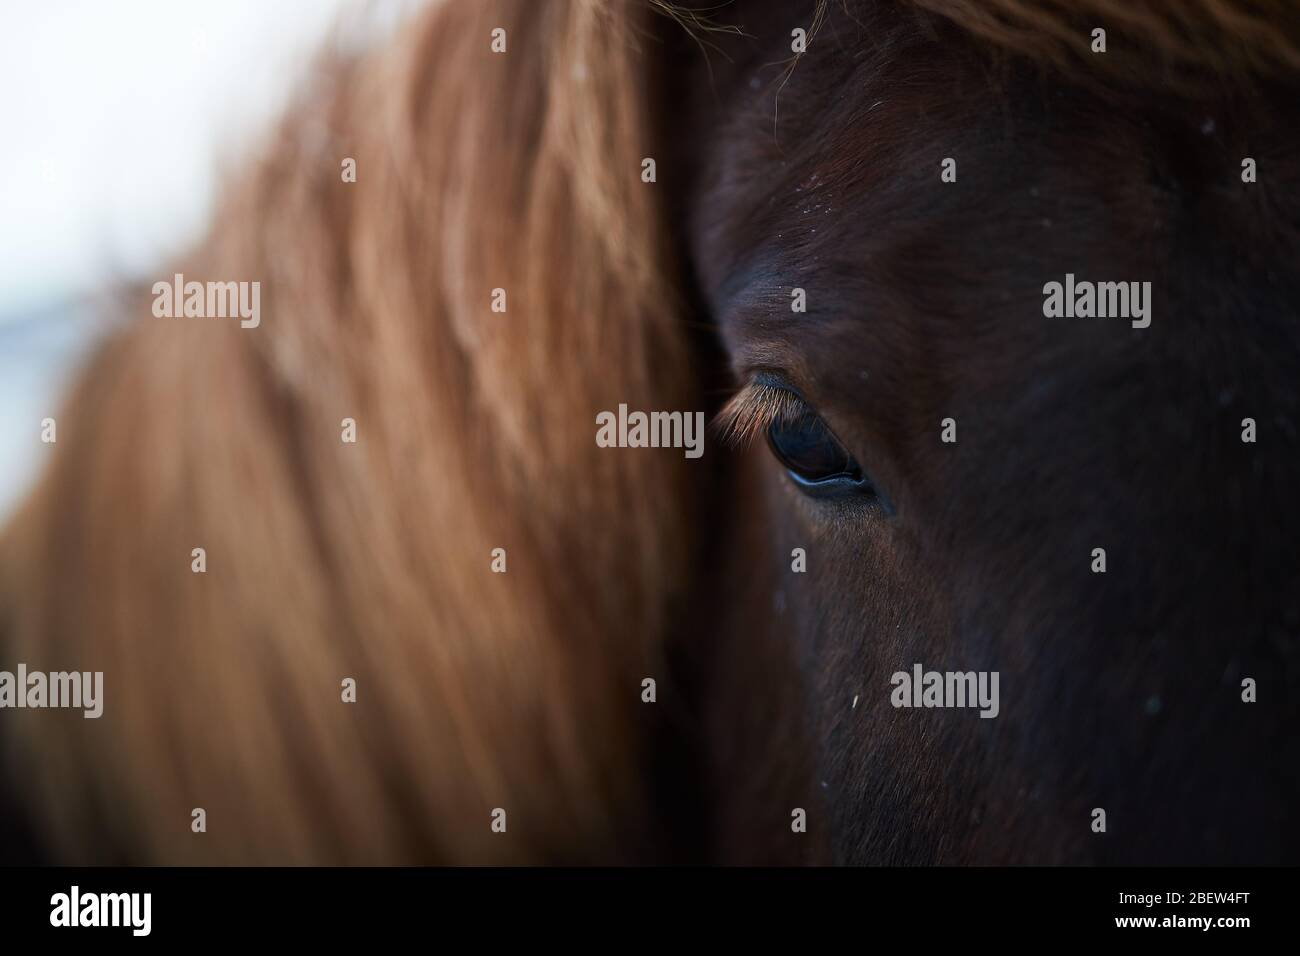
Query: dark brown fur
(522,690)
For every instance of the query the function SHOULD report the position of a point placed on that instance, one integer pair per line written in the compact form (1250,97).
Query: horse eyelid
(753,409)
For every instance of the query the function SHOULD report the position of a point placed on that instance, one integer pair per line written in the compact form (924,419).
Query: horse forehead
(814,194)
(838,201)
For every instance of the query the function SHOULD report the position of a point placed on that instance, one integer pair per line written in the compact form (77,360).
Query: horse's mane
(373,560)
(326,560)
(1180,43)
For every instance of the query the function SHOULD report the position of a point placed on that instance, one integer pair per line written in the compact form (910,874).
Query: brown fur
(1181,42)
(328,560)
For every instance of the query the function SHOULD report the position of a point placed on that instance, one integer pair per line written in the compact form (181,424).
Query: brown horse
(434,619)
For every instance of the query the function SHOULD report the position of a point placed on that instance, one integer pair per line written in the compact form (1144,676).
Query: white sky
(115,119)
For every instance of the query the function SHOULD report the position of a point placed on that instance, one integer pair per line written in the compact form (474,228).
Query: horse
(364,587)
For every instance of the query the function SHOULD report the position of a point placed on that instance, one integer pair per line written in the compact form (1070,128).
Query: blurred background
(117,120)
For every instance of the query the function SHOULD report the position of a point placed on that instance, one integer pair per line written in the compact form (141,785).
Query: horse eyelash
(753,410)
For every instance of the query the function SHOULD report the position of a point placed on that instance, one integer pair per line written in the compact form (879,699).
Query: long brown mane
(328,560)
(1177,41)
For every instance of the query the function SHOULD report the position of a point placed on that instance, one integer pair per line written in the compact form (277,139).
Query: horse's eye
(814,457)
